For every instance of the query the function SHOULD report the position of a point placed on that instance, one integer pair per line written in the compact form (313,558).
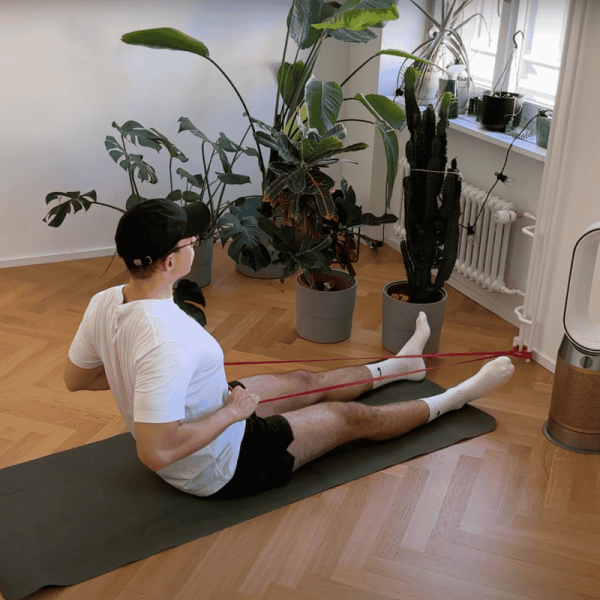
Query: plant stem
(210,198)
(109,206)
(358,69)
(275,116)
(356,120)
(129,173)
(260,160)
(308,67)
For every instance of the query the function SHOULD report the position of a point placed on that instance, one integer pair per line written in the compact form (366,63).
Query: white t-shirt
(162,366)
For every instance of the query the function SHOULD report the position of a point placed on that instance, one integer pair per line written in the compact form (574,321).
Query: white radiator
(481,259)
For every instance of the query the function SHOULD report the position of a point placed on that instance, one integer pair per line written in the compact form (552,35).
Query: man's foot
(399,366)
(491,376)
(414,346)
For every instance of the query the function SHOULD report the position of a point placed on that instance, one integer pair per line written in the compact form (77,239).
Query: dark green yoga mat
(77,514)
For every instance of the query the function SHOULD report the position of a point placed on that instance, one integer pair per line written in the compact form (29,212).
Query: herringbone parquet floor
(507,515)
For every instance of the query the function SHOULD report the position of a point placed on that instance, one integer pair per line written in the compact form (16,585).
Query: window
(533,68)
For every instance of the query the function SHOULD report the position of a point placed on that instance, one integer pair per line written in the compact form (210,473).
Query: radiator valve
(503,217)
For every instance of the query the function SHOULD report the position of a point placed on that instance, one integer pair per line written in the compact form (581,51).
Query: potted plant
(432,211)
(315,227)
(194,188)
(499,110)
(543,121)
(445,50)
(304,138)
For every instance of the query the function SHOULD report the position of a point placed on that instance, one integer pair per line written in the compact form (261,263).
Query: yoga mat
(77,514)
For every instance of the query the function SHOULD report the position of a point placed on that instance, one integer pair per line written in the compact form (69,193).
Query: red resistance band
(514,352)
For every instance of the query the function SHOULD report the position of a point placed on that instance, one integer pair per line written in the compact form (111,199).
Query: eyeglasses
(195,244)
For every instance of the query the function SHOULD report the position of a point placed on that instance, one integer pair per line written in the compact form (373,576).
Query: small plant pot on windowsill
(399,317)
(462,93)
(323,316)
(543,121)
(498,109)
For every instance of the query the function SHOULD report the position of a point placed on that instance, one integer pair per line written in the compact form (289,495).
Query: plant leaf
(319,187)
(323,101)
(133,200)
(283,237)
(302,15)
(138,134)
(173,151)
(402,54)
(392,155)
(358,37)
(294,180)
(260,123)
(193,180)
(145,172)
(384,110)
(186,125)
(233,178)
(291,81)
(115,150)
(281,144)
(247,241)
(359,19)
(338,131)
(166,38)
(315,151)
(76,201)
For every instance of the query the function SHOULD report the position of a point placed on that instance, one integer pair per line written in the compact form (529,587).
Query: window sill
(468,124)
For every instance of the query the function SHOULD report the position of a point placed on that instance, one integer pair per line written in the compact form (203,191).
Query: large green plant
(207,184)
(431,199)
(305,136)
(316,222)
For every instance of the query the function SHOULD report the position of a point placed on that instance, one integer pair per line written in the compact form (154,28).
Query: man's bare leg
(323,427)
(273,386)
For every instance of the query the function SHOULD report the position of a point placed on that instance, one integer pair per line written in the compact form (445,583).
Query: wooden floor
(506,515)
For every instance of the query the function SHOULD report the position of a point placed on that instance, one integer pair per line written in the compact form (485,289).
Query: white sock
(392,366)
(491,375)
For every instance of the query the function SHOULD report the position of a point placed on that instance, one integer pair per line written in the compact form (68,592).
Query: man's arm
(100,383)
(77,378)
(161,444)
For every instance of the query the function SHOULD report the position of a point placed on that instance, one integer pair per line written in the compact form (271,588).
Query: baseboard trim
(52,258)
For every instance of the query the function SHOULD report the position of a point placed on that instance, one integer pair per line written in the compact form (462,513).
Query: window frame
(512,20)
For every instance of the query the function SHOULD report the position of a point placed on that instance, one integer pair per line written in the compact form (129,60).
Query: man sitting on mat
(168,378)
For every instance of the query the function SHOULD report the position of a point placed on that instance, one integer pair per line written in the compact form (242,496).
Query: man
(167,375)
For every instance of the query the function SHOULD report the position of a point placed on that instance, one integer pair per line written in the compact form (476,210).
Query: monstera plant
(305,136)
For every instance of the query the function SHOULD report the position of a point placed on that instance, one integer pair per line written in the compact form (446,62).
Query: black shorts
(264,461)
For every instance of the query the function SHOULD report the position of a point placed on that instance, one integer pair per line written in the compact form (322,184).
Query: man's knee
(306,380)
(355,414)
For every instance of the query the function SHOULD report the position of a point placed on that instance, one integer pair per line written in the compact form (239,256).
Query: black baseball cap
(152,228)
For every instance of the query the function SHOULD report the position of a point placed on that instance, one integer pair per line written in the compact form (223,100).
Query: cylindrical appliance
(574,419)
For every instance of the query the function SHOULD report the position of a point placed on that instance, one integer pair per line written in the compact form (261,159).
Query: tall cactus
(431,199)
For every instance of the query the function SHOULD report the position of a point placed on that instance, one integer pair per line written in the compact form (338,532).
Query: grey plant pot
(325,317)
(399,318)
(202,266)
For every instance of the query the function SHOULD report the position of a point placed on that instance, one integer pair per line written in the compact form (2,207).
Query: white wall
(66,76)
